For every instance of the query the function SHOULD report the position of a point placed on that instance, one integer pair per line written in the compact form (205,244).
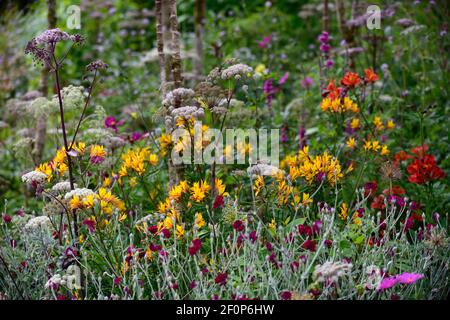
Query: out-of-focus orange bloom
(332,91)
(350,79)
(370,76)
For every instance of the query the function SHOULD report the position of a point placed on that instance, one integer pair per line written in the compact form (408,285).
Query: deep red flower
(286,295)
(238,225)
(153,229)
(370,188)
(309,245)
(155,247)
(305,230)
(90,224)
(350,79)
(221,278)
(7,218)
(378,203)
(218,202)
(328,243)
(165,232)
(253,236)
(395,190)
(196,246)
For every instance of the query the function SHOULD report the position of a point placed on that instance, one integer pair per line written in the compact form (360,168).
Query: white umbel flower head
(182,94)
(34,177)
(330,271)
(61,187)
(79,192)
(37,223)
(236,71)
(262,169)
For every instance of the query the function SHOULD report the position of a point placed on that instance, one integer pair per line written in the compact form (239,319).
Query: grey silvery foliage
(73,98)
(41,107)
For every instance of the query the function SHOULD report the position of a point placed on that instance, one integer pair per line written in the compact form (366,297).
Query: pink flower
(284,78)
(265,41)
(388,283)
(113,123)
(409,278)
(307,82)
(117,280)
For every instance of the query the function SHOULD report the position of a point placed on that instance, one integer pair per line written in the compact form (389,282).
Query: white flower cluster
(37,223)
(79,192)
(236,71)
(34,177)
(57,280)
(63,186)
(262,169)
(188,112)
(182,94)
(331,271)
(73,97)
(51,36)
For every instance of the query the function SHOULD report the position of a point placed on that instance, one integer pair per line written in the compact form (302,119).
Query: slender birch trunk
(41,125)
(175,45)
(199,17)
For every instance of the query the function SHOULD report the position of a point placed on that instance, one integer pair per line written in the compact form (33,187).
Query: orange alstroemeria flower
(350,79)
(370,76)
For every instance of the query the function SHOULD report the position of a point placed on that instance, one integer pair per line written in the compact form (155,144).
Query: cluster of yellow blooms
(343,214)
(378,123)
(198,190)
(284,190)
(316,167)
(107,201)
(374,145)
(339,105)
(134,160)
(58,164)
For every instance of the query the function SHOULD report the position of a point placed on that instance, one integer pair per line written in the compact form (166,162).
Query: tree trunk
(175,45)
(326,16)
(41,122)
(348,33)
(199,16)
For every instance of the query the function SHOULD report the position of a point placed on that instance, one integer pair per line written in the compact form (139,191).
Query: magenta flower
(329,63)
(409,278)
(265,42)
(307,82)
(284,78)
(113,123)
(388,283)
(117,280)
